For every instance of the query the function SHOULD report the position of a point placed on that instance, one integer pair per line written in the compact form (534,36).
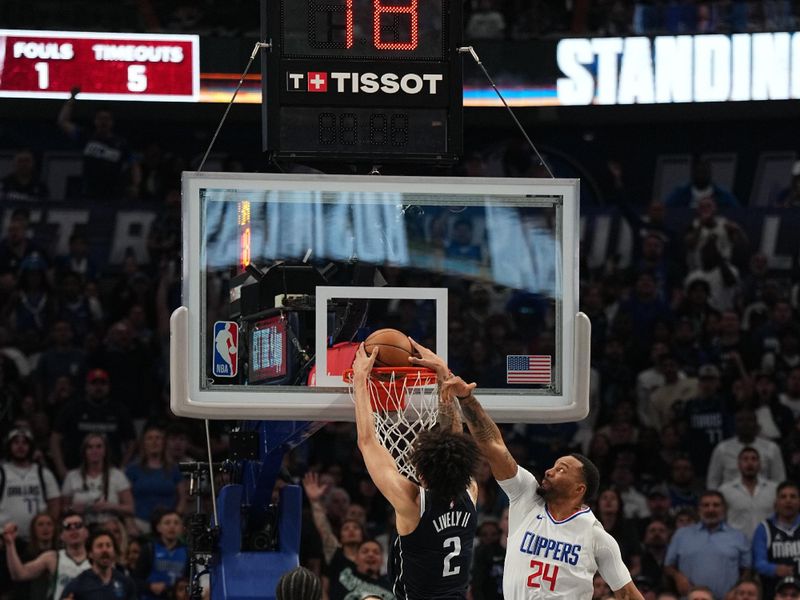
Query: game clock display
(357,80)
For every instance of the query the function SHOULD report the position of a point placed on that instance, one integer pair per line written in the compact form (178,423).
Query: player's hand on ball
(429,359)
(364,362)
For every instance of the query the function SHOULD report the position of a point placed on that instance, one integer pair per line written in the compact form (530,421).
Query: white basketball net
(398,429)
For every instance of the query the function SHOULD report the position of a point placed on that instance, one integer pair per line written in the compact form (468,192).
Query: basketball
(395,348)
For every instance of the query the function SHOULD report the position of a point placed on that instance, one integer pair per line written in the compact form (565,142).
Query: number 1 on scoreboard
(43,72)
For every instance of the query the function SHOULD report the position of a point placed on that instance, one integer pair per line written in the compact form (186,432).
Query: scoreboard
(105,66)
(363,79)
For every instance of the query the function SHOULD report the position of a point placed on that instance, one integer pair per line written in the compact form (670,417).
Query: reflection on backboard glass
(476,277)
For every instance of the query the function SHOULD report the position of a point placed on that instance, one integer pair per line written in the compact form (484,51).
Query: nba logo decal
(226,346)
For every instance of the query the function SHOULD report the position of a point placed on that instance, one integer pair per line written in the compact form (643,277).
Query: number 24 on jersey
(542,571)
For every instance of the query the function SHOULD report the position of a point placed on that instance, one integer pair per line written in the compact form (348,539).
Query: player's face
(103,553)
(564,479)
(369,558)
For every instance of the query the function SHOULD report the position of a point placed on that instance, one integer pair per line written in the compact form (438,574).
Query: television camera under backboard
(283,275)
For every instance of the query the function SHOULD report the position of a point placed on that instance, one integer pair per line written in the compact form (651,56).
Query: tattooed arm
(484,431)
(449,413)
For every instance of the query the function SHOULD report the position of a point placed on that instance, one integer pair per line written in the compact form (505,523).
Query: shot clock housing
(362,80)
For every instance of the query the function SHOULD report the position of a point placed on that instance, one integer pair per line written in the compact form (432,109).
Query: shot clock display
(365,29)
(363,80)
(105,66)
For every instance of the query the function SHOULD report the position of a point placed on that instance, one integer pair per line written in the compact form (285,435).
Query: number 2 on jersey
(455,542)
(542,570)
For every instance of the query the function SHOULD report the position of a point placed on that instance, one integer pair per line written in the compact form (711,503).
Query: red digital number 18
(380,13)
(379,9)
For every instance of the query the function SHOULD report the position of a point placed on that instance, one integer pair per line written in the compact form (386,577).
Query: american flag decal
(528,368)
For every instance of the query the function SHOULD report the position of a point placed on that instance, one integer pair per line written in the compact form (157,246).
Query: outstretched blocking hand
(314,489)
(364,362)
(430,360)
(455,387)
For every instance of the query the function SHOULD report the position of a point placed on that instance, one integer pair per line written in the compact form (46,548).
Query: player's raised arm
(399,491)
(449,412)
(485,432)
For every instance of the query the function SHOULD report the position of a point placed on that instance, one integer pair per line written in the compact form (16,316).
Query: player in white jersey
(63,565)
(555,543)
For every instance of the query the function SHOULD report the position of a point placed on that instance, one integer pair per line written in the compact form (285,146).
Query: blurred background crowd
(484,19)
(695,421)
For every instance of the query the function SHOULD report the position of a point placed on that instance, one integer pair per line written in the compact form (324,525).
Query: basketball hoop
(405,402)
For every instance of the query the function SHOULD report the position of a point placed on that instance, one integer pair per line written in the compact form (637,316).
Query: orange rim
(426,376)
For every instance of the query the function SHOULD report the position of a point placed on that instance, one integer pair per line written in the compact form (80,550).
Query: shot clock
(105,66)
(363,80)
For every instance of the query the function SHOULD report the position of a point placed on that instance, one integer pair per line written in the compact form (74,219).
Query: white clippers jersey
(549,559)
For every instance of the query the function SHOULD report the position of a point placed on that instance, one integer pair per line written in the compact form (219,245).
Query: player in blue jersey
(436,519)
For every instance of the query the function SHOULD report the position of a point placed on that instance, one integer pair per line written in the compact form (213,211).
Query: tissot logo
(365,83)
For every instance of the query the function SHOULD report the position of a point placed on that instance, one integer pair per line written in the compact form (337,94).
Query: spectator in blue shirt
(700,186)
(155,482)
(710,553)
(776,541)
(165,562)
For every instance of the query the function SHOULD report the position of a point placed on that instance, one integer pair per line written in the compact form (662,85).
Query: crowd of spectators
(695,421)
(483,19)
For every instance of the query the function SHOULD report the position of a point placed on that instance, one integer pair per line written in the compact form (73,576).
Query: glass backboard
(283,275)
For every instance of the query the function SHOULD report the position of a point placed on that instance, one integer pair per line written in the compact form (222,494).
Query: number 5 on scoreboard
(137,78)
(541,570)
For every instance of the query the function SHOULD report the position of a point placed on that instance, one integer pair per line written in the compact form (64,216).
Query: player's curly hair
(445,461)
